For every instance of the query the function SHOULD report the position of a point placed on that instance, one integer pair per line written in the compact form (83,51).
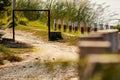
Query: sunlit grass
(37,25)
(106,72)
(5,50)
(40,32)
(22,50)
(8,54)
(61,64)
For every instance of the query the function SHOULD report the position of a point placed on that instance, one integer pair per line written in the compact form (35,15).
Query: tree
(4,4)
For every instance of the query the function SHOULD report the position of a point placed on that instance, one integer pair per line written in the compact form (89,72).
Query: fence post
(55,25)
(81,28)
(76,26)
(59,25)
(13,15)
(107,26)
(70,26)
(64,26)
(49,24)
(73,27)
(95,27)
(88,28)
(101,26)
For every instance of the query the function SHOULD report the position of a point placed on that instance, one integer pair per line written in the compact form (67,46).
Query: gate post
(13,8)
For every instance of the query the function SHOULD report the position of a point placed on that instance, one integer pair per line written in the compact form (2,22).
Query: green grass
(5,50)
(11,54)
(21,50)
(35,30)
(117,27)
(69,40)
(107,72)
(8,54)
(51,66)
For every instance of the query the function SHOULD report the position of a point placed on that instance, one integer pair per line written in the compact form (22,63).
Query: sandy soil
(34,66)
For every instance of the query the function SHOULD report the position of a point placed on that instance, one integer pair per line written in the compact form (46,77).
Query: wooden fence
(60,25)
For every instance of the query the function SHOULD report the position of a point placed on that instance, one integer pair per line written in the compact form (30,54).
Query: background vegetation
(82,11)
(117,26)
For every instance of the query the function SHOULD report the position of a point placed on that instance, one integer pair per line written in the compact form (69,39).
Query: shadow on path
(14,44)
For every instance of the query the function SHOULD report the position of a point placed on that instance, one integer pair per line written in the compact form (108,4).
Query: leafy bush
(22,23)
(78,10)
(29,4)
(6,54)
(10,22)
(4,4)
(107,72)
(4,50)
(117,27)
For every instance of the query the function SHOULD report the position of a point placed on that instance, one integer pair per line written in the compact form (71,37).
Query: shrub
(117,27)
(4,50)
(22,20)
(6,55)
(29,4)
(13,58)
(22,23)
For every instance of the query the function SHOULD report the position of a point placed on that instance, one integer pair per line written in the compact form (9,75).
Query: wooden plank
(107,31)
(102,44)
(92,35)
(103,58)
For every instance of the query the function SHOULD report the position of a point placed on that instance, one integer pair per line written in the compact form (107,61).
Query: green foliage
(10,24)
(5,11)
(61,64)
(80,10)
(29,4)
(36,27)
(4,50)
(117,27)
(22,23)
(4,4)
(9,21)
(107,72)
(10,54)
(5,7)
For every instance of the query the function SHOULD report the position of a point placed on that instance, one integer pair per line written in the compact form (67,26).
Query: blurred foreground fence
(91,62)
(98,47)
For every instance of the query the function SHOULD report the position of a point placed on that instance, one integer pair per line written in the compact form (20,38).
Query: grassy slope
(8,54)
(39,29)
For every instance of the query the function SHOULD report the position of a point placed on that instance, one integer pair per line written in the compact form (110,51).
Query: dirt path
(34,67)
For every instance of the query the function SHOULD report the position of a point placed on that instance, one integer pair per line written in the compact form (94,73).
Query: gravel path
(40,64)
